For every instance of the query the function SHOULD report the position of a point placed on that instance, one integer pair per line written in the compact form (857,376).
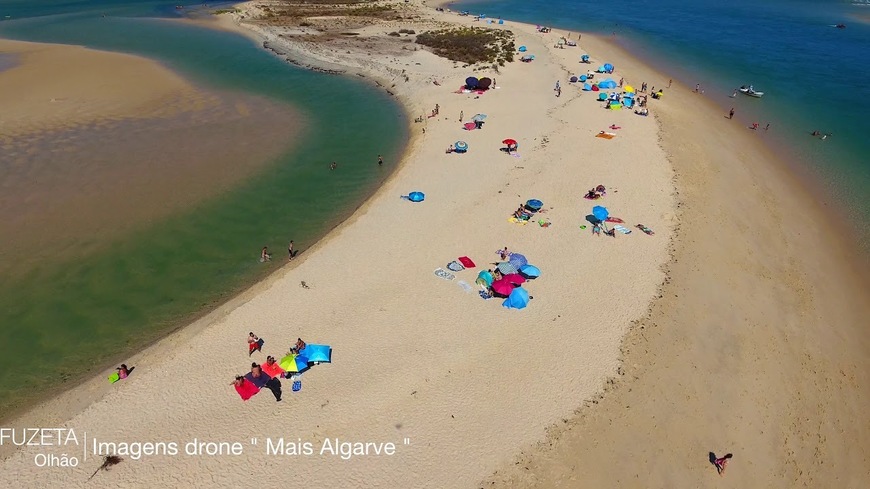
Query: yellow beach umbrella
(629,89)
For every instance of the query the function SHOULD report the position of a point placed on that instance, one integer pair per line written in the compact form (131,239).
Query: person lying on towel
(245,389)
(521,214)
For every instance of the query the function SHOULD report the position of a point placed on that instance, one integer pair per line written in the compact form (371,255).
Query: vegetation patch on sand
(471,45)
(304,9)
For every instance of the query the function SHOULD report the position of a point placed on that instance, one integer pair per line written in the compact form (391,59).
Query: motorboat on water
(751,91)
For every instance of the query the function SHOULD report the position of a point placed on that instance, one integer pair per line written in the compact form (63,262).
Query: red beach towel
(273,370)
(246,390)
(466,262)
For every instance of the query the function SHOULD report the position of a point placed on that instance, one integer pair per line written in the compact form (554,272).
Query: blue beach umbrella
(318,353)
(522,49)
(518,260)
(584,58)
(471,82)
(608,67)
(534,204)
(587,87)
(479,117)
(583,78)
(600,213)
(602,96)
(530,271)
(518,299)
(460,146)
(416,196)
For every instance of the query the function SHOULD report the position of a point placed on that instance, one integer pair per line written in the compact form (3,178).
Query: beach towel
(517,221)
(622,229)
(297,385)
(440,272)
(467,288)
(246,390)
(615,219)
(645,229)
(114,378)
(605,135)
(259,381)
(273,370)
(466,262)
(455,266)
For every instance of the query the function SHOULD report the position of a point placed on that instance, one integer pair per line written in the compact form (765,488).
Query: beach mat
(605,135)
(466,262)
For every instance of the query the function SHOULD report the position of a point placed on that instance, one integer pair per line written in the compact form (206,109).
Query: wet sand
(70,192)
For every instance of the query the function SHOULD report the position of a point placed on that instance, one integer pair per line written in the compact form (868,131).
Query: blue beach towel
(297,385)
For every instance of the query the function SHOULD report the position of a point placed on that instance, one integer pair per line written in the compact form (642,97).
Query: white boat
(751,92)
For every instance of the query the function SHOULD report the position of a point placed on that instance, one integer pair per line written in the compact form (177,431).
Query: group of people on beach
(266,375)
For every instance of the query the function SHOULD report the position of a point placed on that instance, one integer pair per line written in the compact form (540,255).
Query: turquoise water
(85,312)
(815,77)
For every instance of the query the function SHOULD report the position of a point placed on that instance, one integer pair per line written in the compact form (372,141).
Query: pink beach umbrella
(514,278)
(502,287)
(469,126)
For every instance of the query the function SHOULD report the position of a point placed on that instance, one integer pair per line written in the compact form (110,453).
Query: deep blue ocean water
(815,77)
(81,313)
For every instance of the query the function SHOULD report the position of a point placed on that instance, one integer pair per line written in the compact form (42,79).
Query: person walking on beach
(767,126)
(461,115)
(731,113)
(722,463)
(669,83)
(290,250)
(437,109)
(697,87)
(380,160)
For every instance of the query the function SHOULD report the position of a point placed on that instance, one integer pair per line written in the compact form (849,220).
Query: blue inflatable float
(416,196)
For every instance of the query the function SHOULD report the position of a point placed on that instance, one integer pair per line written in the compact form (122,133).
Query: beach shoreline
(617,362)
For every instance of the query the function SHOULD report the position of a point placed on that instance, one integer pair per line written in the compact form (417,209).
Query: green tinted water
(82,313)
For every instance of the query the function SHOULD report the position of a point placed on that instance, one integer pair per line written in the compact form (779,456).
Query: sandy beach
(637,356)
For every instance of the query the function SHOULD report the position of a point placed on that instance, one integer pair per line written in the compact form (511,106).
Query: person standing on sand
(290,250)
(697,87)
(254,343)
(767,126)
(380,160)
(731,113)
(722,463)
(669,83)
(461,115)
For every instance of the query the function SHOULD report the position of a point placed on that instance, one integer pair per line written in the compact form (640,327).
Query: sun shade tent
(534,204)
(484,83)
(471,83)
(518,299)
(318,353)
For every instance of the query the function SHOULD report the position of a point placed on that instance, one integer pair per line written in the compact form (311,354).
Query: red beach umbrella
(509,142)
